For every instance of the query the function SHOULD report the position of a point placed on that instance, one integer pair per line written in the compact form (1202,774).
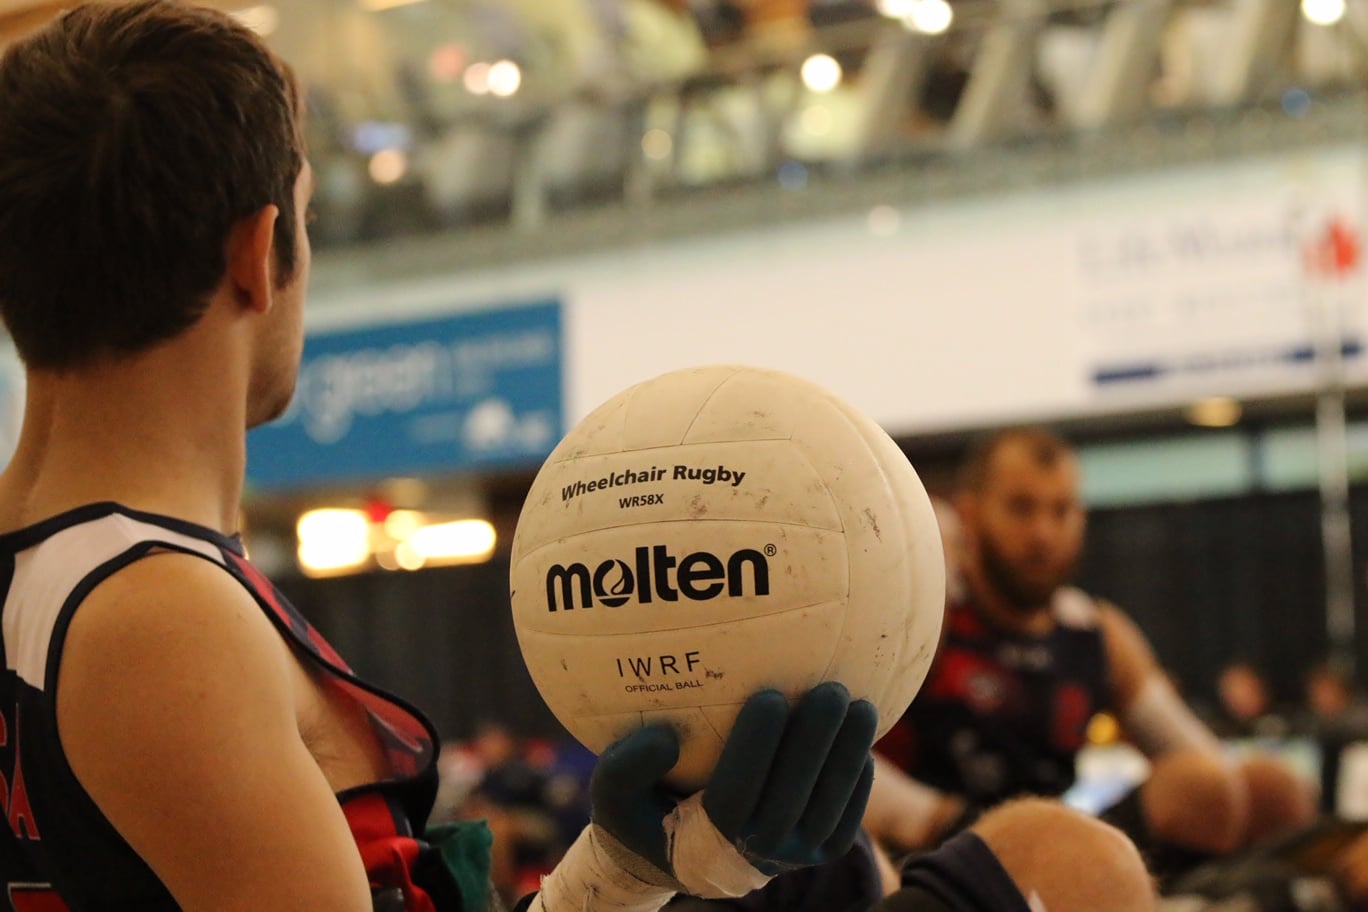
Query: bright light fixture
(401,524)
(408,558)
(505,78)
(476,79)
(931,17)
(657,144)
(333,540)
(388,166)
(822,73)
(1215,412)
(451,542)
(1323,12)
(896,9)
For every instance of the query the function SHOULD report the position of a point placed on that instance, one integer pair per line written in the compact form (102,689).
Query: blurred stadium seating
(437,115)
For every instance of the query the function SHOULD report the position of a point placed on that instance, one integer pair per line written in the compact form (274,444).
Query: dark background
(1209,581)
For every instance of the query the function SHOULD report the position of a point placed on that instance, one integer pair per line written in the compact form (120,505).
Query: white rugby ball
(717,531)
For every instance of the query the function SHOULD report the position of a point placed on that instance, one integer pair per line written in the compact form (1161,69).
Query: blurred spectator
(1245,709)
(1330,695)
(1336,716)
(459,772)
(534,795)
(567,789)
(511,798)
(509,780)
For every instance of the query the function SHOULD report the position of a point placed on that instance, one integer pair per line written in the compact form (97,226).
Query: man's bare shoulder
(160,642)
(175,706)
(167,610)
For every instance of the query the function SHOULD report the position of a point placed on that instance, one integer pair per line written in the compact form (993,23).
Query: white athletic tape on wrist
(1036,903)
(704,861)
(588,879)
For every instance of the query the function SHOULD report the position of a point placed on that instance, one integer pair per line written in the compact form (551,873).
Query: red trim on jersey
(302,629)
(406,741)
(387,855)
(37,898)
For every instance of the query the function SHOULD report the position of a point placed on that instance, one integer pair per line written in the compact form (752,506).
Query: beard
(1022,595)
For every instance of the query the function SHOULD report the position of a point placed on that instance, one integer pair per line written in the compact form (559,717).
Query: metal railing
(452,154)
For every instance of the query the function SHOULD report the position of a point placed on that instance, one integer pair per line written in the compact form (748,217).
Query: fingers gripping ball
(716,532)
(789,791)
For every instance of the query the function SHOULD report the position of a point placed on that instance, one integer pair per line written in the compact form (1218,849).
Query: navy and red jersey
(59,852)
(1003,714)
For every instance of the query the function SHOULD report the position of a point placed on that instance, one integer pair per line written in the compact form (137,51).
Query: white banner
(1137,292)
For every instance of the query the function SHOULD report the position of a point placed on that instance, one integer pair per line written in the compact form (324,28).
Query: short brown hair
(1046,447)
(133,137)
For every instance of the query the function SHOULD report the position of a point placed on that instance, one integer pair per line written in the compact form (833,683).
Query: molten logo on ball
(700,576)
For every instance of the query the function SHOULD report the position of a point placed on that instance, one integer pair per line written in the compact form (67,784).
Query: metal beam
(1002,71)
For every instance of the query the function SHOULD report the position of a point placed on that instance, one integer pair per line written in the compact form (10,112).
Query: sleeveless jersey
(1004,714)
(58,851)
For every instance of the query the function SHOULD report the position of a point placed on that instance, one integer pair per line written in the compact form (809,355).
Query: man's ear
(251,259)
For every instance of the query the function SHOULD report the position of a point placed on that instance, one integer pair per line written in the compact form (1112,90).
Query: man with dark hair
(137,131)
(173,734)
(1027,660)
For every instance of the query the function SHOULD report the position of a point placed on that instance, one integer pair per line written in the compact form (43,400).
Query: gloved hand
(788,791)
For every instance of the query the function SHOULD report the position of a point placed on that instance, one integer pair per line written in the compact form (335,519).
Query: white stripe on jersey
(46,575)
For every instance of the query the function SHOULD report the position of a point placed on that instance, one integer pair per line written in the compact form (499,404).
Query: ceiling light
(821,73)
(333,540)
(1215,412)
(388,166)
(1323,12)
(896,9)
(931,17)
(452,542)
(505,78)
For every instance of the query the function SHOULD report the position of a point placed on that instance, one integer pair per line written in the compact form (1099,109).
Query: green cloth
(465,850)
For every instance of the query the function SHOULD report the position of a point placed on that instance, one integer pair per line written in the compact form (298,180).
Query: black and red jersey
(1003,714)
(58,851)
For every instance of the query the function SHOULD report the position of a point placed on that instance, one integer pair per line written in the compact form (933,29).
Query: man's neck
(135,436)
(1001,613)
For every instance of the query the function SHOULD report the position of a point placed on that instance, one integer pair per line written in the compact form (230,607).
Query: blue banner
(468,391)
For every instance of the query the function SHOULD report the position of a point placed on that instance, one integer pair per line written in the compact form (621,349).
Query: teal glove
(789,789)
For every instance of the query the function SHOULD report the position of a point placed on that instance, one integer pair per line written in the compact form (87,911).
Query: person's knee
(1071,862)
(1280,801)
(1197,801)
